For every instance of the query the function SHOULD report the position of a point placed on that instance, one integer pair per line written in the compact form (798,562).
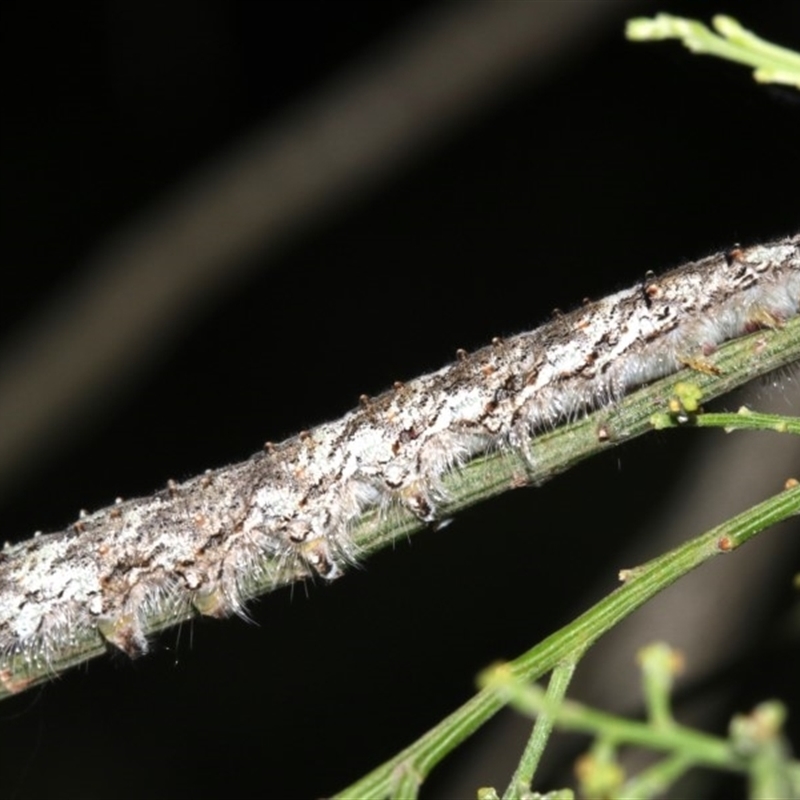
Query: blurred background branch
(154,274)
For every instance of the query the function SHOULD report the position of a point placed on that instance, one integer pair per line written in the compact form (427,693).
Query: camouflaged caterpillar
(194,546)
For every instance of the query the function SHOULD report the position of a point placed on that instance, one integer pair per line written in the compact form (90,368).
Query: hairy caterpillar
(126,570)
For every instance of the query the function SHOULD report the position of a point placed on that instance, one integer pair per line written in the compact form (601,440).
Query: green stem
(771,63)
(656,780)
(749,420)
(642,583)
(522,780)
(699,748)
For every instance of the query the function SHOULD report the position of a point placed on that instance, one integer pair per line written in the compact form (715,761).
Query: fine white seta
(196,545)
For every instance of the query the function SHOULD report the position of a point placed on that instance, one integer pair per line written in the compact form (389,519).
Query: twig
(502,684)
(771,63)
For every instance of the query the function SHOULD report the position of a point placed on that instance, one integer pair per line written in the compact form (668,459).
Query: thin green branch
(557,686)
(755,747)
(771,63)
(656,780)
(743,419)
(641,584)
(700,748)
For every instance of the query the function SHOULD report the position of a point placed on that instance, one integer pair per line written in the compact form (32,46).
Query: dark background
(625,158)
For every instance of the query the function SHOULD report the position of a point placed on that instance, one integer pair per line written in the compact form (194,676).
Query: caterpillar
(194,547)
